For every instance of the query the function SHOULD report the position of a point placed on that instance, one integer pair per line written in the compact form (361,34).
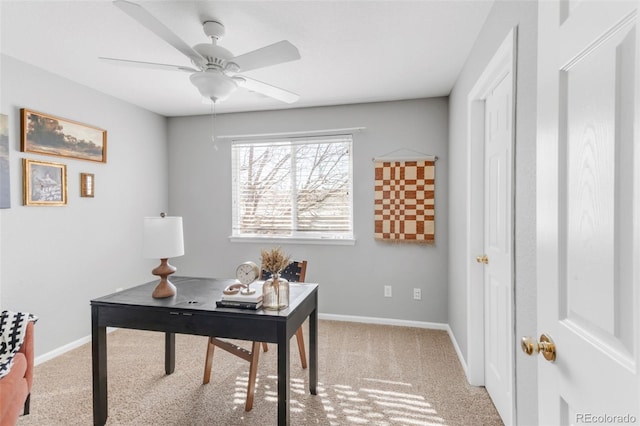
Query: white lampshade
(162,237)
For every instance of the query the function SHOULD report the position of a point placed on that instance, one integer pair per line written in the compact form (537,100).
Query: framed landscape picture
(5,186)
(45,184)
(45,134)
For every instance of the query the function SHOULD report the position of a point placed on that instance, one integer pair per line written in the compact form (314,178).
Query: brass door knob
(546,346)
(482,259)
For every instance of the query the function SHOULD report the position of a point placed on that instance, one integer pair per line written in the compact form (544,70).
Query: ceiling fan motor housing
(216,56)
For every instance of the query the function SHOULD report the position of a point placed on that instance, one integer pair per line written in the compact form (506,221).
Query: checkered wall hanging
(404,200)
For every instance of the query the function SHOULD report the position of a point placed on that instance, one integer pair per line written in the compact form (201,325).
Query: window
(293,188)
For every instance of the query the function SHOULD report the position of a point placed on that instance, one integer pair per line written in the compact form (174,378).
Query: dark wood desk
(193,311)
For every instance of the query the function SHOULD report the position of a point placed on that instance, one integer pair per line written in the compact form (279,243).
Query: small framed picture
(45,184)
(87,183)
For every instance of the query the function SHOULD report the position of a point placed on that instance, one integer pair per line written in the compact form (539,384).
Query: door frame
(502,63)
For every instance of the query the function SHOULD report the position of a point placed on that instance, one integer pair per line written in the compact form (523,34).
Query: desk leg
(99,368)
(169,353)
(313,351)
(283,377)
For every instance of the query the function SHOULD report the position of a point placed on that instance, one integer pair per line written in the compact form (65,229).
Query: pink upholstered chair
(15,387)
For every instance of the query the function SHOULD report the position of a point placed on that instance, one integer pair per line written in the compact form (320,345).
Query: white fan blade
(149,64)
(277,53)
(147,20)
(266,89)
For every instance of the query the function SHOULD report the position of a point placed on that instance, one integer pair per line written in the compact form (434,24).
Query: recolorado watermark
(590,418)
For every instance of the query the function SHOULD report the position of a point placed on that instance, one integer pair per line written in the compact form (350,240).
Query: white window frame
(294,237)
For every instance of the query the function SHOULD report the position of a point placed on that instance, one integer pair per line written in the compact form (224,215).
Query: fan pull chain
(213,126)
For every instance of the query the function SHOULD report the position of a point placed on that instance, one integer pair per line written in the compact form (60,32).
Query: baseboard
(463,363)
(331,317)
(66,348)
(384,321)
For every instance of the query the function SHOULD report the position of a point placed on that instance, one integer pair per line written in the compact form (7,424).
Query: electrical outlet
(387,291)
(417,294)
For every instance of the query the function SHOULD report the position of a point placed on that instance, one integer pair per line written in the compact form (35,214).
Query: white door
(498,285)
(588,211)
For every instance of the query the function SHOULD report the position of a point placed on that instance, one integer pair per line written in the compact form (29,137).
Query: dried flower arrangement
(275,260)
(275,290)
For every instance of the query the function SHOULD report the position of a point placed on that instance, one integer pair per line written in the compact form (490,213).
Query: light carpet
(368,374)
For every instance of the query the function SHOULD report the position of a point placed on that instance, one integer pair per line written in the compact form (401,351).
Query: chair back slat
(296,272)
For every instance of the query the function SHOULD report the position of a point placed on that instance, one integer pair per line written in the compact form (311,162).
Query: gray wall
(351,277)
(504,16)
(55,259)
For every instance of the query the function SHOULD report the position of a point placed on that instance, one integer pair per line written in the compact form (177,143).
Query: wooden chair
(295,272)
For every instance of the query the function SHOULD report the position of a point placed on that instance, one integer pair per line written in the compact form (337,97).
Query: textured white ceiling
(352,51)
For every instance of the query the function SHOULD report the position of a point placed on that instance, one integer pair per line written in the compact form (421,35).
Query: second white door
(498,247)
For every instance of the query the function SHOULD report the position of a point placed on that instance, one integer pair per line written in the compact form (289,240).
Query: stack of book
(239,300)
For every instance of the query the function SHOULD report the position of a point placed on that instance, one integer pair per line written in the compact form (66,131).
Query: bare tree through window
(293,188)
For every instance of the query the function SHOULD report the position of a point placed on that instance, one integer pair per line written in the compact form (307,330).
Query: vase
(275,293)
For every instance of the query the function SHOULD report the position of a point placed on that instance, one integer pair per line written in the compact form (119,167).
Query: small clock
(247,273)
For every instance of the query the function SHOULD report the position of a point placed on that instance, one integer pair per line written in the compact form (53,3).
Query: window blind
(298,187)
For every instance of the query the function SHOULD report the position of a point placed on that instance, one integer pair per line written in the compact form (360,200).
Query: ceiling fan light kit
(215,76)
(213,84)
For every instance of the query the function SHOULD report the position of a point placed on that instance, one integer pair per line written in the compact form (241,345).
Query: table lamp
(163,239)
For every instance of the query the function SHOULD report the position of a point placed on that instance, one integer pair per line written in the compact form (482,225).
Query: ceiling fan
(215,69)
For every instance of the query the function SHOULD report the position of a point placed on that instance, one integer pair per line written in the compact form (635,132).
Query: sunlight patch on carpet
(363,405)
